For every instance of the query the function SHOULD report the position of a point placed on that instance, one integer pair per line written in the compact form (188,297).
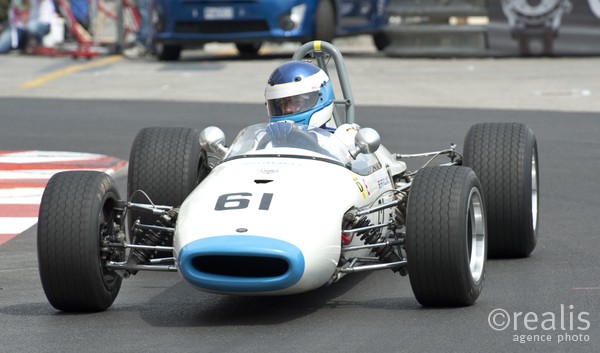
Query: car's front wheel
(248,49)
(76,216)
(446,236)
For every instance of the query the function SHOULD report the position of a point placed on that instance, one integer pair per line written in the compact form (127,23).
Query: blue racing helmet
(301,92)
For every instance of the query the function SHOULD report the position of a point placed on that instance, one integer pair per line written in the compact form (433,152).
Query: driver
(300,92)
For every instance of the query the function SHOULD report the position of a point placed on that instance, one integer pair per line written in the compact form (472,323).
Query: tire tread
(499,153)
(68,242)
(433,243)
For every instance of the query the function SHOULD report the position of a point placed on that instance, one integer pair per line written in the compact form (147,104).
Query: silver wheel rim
(534,191)
(476,235)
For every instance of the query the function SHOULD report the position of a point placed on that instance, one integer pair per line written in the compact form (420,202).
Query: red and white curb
(24,175)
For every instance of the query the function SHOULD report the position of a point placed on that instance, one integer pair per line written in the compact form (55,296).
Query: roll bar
(320,50)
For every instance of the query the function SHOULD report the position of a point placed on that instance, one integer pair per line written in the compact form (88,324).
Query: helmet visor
(293,104)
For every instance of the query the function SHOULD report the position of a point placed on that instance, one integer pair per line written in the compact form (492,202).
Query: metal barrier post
(120,26)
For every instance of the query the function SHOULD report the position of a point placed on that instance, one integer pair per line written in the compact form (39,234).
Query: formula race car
(288,208)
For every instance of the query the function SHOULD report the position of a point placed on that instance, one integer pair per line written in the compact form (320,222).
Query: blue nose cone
(238,264)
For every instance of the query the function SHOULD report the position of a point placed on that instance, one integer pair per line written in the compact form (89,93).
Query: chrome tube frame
(156,264)
(399,156)
(125,268)
(371,246)
(155,209)
(143,247)
(153,227)
(379,207)
(111,265)
(451,153)
(363,268)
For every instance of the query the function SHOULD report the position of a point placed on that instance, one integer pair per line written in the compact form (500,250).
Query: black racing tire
(167,52)
(75,212)
(248,49)
(505,158)
(325,21)
(446,242)
(166,163)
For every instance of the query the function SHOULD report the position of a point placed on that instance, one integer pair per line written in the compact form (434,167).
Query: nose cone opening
(241,264)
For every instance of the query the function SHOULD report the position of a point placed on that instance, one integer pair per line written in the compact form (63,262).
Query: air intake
(241,266)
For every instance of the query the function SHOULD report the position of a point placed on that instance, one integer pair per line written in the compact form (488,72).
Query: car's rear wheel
(504,156)
(76,215)
(167,52)
(325,21)
(381,40)
(166,164)
(446,242)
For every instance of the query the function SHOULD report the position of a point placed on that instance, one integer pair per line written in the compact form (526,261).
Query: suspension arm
(153,227)
(371,246)
(380,207)
(143,247)
(155,209)
(362,268)
(131,267)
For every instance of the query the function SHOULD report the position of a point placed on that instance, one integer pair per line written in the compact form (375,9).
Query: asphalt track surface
(552,295)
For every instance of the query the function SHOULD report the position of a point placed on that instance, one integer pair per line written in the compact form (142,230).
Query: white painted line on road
(15,225)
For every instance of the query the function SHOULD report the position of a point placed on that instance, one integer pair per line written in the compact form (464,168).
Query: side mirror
(212,139)
(366,141)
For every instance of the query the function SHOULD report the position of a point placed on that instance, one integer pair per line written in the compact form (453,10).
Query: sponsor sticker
(360,186)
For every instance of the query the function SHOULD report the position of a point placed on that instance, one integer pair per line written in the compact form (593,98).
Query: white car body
(282,207)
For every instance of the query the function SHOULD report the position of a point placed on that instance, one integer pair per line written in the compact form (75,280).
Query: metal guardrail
(438,8)
(113,23)
(435,28)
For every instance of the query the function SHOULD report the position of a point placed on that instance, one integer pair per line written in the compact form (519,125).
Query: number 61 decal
(241,200)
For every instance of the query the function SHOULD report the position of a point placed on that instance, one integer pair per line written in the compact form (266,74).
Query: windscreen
(289,139)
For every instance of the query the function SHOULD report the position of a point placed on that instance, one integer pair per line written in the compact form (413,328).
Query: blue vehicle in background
(180,24)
